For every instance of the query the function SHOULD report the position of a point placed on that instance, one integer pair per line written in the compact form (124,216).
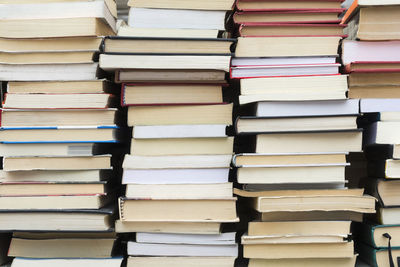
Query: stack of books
(185,19)
(295,129)
(373,67)
(177,172)
(55,112)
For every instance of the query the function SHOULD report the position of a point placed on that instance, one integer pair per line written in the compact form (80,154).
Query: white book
(373,105)
(166,238)
(136,249)
(167,33)
(382,132)
(177,162)
(267,61)
(309,96)
(378,2)
(307,108)
(50,149)
(179,131)
(27,262)
(175,18)
(288,70)
(58,10)
(48,72)
(175,176)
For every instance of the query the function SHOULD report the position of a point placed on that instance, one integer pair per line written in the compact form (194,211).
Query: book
(276,61)
(203,228)
(376,257)
(373,234)
(284,46)
(61,248)
(176,4)
(141,249)
(174,115)
(66,176)
(176,162)
(274,5)
(325,142)
(41,202)
(387,215)
(381,132)
(38,58)
(170,94)
(74,134)
(385,191)
(190,239)
(251,125)
(306,108)
(386,107)
(284,70)
(178,210)
(374,92)
(311,216)
(57,220)
(59,117)
(199,131)
(9,150)
(127,31)
(168,62)
(181,146)
(290,29)
(308,250)
(170,76)
(254,160)
(291,16)
(54,72)
(56,27)
(65,44)
(190,191)
(61,87)
(180,261)
(287,240)
(27,262)
(291,175)
(176,18)
(43,101)
(373,79)
(174,46)
(175,176)
(51,188)
(57,163)
(310,262)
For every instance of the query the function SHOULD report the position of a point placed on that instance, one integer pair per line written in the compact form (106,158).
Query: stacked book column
(172,66)
(295,130)
(57,118)
(372,63)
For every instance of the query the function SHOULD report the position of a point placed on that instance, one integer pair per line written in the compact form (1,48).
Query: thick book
(180,261)
(143,249)
(377,256)
(382,132)
(168,46)
(385,191)
(171,94)
(178,210)
(179,131)
(373,234)
(57,163)
(13,118)
(176,18)
(127,31)
(188,4)
(287,46)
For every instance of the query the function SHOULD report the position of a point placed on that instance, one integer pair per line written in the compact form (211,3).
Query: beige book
(26,262)
(56,163)
(370,79)
(201,228)
(46,57)
(253,159)
(329,228)
(304,30)
(311,216)
(377,91)
(59,248)
(59,117)
(169,115)
(184,4)
(295,251)
(379,23)
(309,142)
(292,239)
(167,33)
(310,262)
(181,261)
(50,149)
(51,44)
(47,189)
(182,146)
(279,5)
(178,210)
(287,46)
(171,94)
(43,28)
(315,84)
(307,193)
(171,46)
(59,87)
(170,62)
